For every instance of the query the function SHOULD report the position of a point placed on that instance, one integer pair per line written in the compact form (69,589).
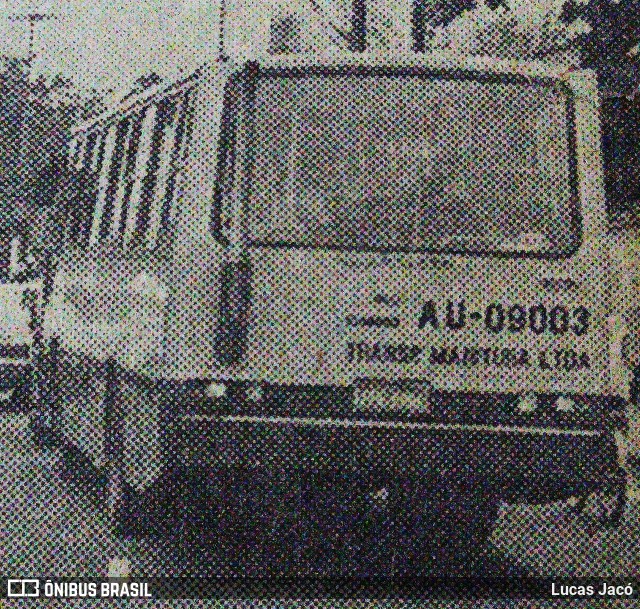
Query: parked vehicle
(20,291)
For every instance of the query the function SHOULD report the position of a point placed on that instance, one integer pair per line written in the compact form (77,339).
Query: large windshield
(382,161)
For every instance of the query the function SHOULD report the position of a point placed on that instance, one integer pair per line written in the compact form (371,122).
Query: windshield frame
(246,81)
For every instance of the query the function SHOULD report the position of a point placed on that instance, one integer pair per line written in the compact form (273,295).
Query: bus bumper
(537,458)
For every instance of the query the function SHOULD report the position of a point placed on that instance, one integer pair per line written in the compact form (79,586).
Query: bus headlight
(216,391)
(565,404)
(527,403)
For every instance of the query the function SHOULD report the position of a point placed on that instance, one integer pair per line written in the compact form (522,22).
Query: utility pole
(32,19)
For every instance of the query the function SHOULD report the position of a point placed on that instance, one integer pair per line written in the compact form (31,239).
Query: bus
(349,301)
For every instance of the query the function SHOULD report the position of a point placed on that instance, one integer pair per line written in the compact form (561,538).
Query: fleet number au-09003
(498,317)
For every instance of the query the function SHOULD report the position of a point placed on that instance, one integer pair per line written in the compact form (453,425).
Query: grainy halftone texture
(361,254)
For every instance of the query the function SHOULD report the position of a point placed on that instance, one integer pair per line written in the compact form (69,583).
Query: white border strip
(313,422)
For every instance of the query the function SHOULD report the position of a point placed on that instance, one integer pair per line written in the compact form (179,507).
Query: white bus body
(253,302)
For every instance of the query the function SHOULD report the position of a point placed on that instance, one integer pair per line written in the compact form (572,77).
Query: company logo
(20,588)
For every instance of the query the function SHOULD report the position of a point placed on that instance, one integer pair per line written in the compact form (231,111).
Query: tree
(35,117)
(610,29)
(428,15)
(523,29)
(511,29)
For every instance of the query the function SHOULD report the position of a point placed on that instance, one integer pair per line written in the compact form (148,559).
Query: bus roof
(131,102)
(441,60)
(437,60)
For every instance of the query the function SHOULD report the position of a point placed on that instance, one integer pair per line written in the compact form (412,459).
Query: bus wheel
(113,512)
(38,394)
(444,527)
(117,493)
(20,400)
(605,507)
(115,500)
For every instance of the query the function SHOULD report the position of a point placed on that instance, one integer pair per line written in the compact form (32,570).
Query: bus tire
(117,493)
(444,527)
(478,511)
(20,400)
(607,506)
(38,394)
(113,501)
